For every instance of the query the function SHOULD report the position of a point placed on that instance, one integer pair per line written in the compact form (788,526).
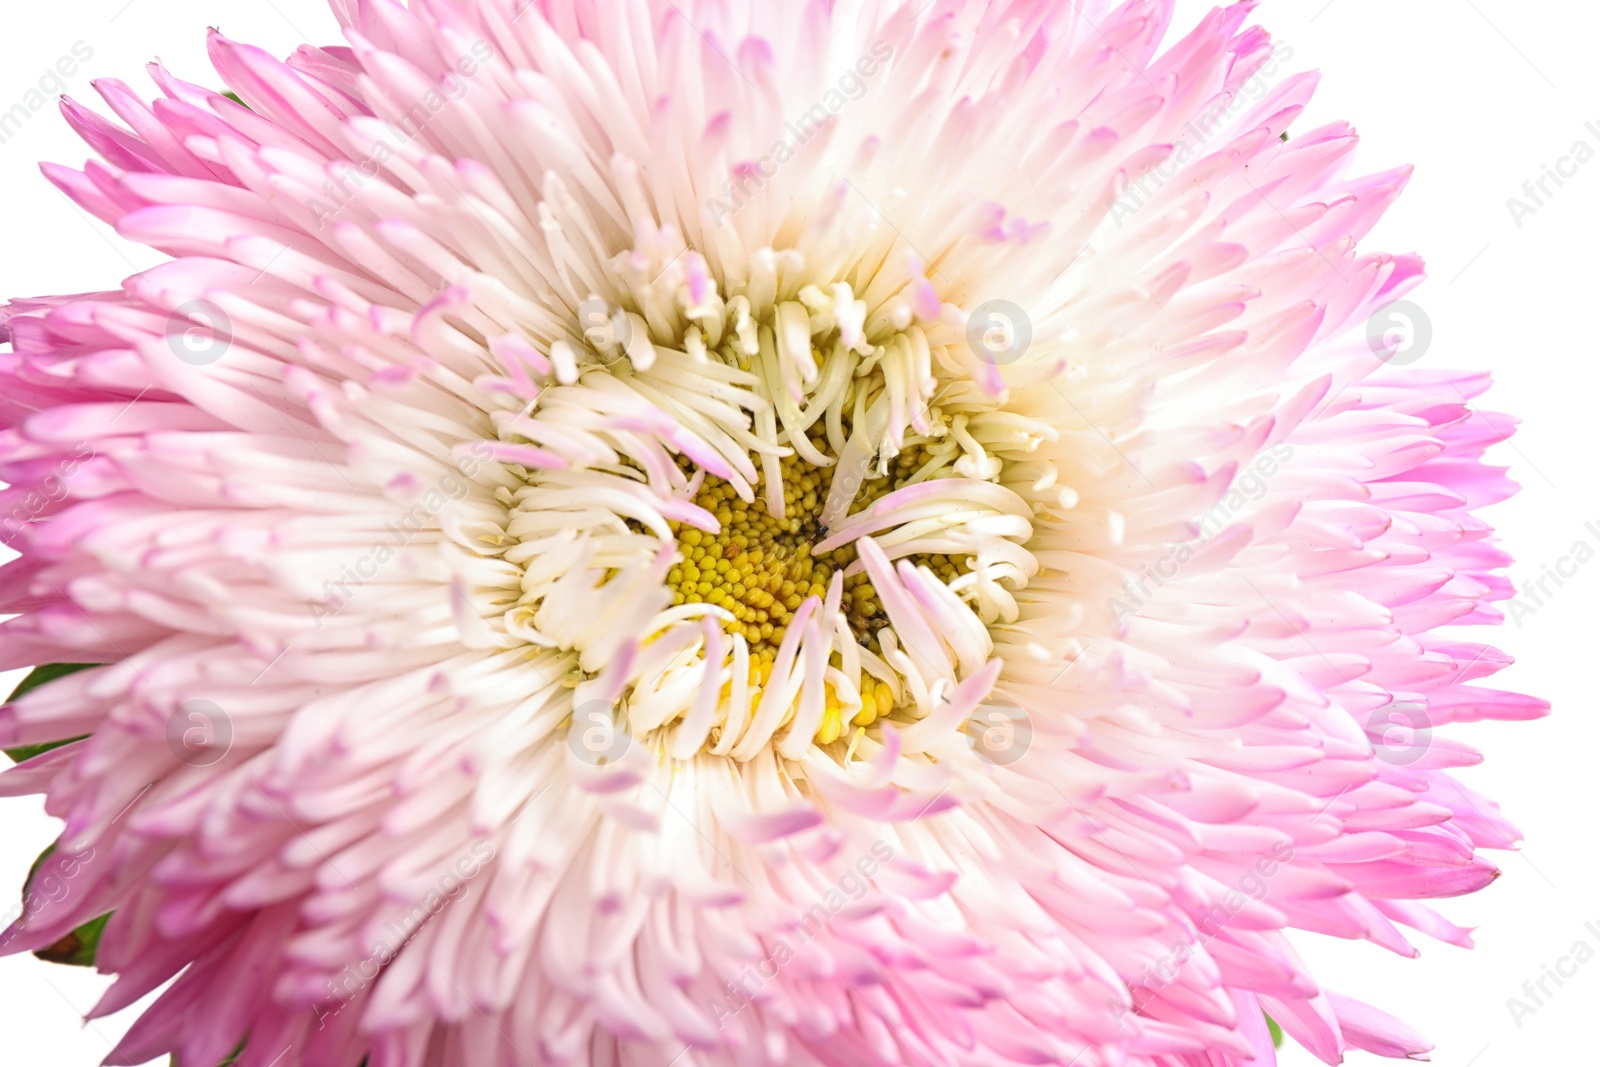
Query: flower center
(760,568)
(763,519)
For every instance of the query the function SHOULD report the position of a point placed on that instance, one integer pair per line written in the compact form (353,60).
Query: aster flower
(724,533)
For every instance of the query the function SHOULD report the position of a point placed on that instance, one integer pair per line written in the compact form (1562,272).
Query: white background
(1480,95)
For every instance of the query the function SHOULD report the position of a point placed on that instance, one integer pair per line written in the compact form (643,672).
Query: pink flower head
(720,533)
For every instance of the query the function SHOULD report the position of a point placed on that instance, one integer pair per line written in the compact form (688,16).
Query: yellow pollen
(760,569)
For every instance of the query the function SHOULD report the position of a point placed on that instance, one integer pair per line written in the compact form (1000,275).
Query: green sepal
(1276,1031)
(27,752)
(233,1058)
(78,948)
(37,677)
(28,883)
(172,1061)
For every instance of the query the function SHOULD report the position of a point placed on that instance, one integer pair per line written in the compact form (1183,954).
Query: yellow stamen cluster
(757,567)
(760,569)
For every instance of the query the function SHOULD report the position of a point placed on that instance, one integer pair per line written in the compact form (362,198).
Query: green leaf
(24,753)
(1276,1031)
(47,673)
(172,1061)
(231,95)
(37,677)
(28,884)
(229,1062)
(78,948)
